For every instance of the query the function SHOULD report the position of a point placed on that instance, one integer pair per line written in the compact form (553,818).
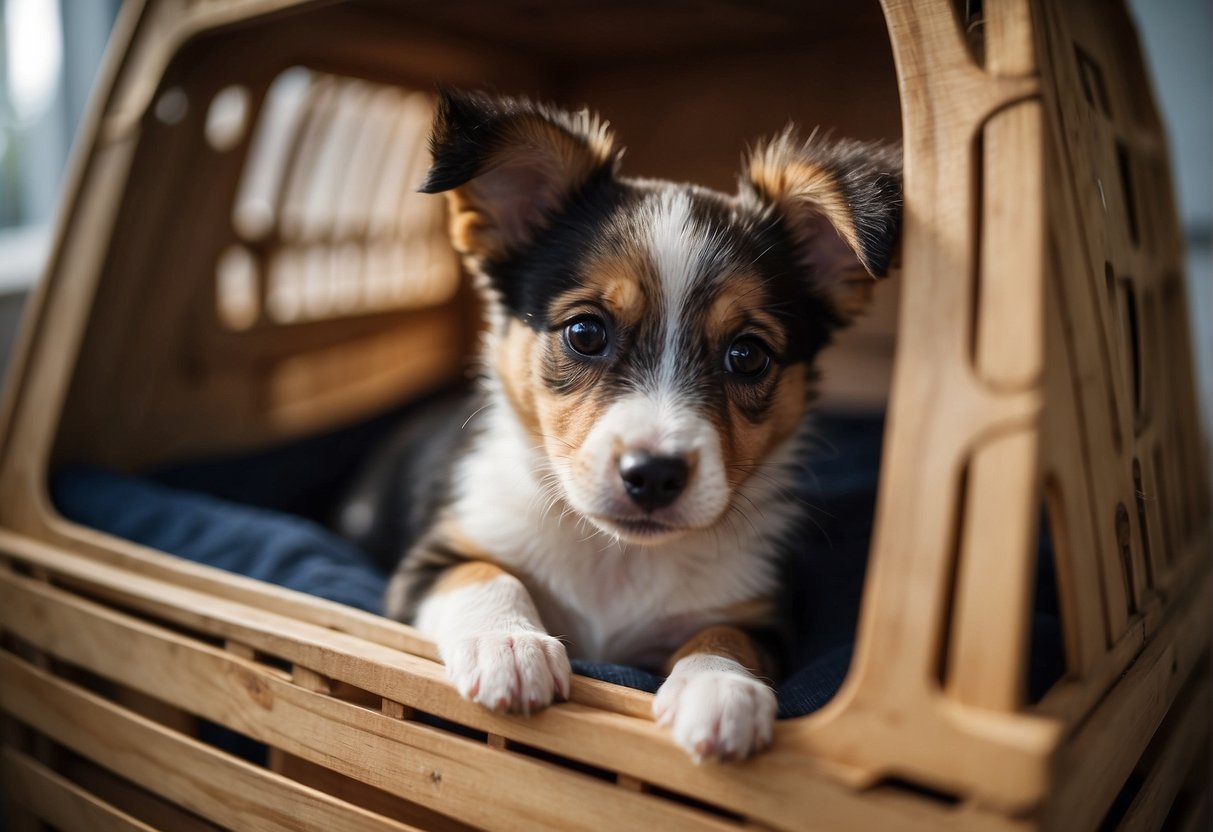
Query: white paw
(716,709)
(508,670)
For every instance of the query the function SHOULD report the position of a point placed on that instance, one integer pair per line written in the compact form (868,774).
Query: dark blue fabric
(189,511)
(270,546)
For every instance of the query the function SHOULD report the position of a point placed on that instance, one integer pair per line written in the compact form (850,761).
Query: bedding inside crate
(266,515)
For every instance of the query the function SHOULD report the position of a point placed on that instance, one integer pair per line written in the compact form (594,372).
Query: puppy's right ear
(508,165)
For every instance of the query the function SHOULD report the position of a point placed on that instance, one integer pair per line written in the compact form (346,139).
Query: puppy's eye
(587,335)
(747,356)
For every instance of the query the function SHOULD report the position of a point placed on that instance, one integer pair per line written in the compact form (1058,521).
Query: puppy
(623,489)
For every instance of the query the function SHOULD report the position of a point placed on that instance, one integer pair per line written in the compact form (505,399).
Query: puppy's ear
(507,165)
(840,201)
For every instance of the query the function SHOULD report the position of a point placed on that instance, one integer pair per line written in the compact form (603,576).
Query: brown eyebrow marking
(616,283)
(731,312)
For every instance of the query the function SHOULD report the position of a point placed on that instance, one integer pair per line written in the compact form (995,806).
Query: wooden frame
(1042,358)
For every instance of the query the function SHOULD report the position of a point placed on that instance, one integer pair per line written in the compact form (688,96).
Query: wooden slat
(59,801)
(1093,765)
(413,681)
(360,794)
(778,787)
(139,803)
(215,785)
(397,756)
(1184,736)
(215,583)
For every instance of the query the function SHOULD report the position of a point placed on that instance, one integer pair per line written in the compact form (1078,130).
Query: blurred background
(50,51)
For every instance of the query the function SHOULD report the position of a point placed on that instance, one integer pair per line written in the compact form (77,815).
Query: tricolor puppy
(624,492)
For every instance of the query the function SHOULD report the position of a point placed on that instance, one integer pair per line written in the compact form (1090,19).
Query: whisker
(475,413)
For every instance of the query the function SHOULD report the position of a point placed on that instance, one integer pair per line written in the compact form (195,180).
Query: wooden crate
(1042,359)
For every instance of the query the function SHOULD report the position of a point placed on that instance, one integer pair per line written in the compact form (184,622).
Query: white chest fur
(610,600)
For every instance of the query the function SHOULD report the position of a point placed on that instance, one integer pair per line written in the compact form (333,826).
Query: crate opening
(302,295)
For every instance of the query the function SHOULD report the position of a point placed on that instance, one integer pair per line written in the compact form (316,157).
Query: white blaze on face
(659,417)
(681,251)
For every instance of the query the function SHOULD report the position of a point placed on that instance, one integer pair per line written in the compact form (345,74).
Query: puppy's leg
(713,701)
(491,639)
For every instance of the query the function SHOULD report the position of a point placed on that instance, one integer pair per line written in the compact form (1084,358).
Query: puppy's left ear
(840,202)
(508,165)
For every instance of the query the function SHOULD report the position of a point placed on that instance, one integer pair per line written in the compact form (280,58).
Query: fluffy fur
(622,488)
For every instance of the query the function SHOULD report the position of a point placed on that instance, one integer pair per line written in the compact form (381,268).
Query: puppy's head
(657,339)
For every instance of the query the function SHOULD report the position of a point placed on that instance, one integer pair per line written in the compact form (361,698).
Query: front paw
(716,708)
(508,670)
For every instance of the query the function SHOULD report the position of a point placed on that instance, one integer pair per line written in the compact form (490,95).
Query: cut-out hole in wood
(1131,337)
(1166,510)
(1047,661)
(237,288)
(970,14)
(1091,76)
(694,803)
(903,786)
(1124,543)
(329,194)
(1143,524)
(227,118)
(1125,166)
(255,212)
(1075,618)
(959,515)
(171,106)
(1149,364)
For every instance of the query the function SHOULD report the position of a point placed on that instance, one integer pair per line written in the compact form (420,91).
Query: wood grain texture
(139,803)
(227,790)
(253,699)
(60,802)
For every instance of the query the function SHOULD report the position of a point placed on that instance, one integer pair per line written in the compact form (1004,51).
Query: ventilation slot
(1124,164)
(1091,76)
(1132,339)
(1047,653)
(1124,542)
(1142,522)
(327,206)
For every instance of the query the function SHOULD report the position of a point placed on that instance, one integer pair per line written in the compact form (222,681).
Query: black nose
(652,482)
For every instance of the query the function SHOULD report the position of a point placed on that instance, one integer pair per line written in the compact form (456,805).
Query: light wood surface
(229,791)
